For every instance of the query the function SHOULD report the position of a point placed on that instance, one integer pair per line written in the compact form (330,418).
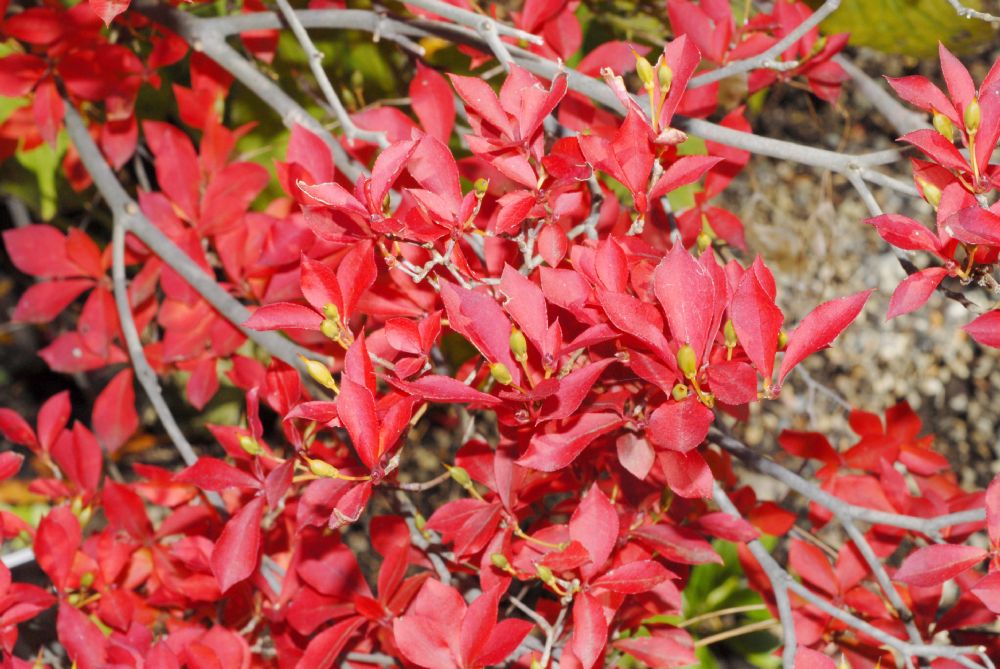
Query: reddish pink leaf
(83,640)
(993,510)
(594,524)
(323,649)
(114,417)
(733,382)
(677,544)
(728,527)
(914,291)
(634,577)
(937,148)
(432,102)
(820,327)
(639,319)
(553,451)
(52,419)
(56,542)
(688,475)
(42,302)
(215,475)
(356,408)
(685,171)
(125,511)
(758,322)
(79,456)
(680,426)
(635,454)
(920,92)
(663,650)
(22,247)
(203,383)
(590,630)
(10,464)
(806,658)
(933,565)
(16,429)
(988,592)
(107,10)
(228,195)
(284,316)
(985,329)
(573,389)
(686,292)
(811,564)
(234,557)
(19,73)
(505,639)
(904,233)
(439,388)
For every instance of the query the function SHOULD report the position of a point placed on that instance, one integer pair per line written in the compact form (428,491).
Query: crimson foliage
(521,283)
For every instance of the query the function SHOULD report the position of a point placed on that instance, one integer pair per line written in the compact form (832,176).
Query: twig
(124,208)
(902,119)
(531,613)
(554,632)
(969,13)
(779,578)
(472,20)
(711,615)
(372,658)
(419,540)
(351,131)
(768,59)
(930,526)
(758,626)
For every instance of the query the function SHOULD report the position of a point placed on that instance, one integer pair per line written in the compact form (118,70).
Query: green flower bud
(782,340)
(973,115)
(729,331)
(545,574)
(460,476)
(250,445)
(501,374)
(419,521)
(330,329)
(687,360)
(704,241)
(480,186)
(331,311)
(323,469)
(319,373)
(666,77)
(500,561)
(944,126)
(680,392)
(518,345)
(87,579)
(931,193)
(644,70)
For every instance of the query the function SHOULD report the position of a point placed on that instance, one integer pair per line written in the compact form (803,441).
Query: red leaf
(22,247)
(16,429)
(10,464)
(125,511)
(688,475)
(686,292)
(505,639)
(733,382)
(203,383)
(107,10)
(938,148)
(56,542)
(933,565)
(686,170)
(921,93)
(639,319)
(234,557)
(811,564)
(479,318)
(82,639)
(974,225)
(758,322)
(439,388)
(323,649)
(914,291)
(680,426)
(356,408)
(820,327)
(993,510)
(988,592)
(677,544)
(635,454)
(526,305)
(79,456)
(595,525)
(634,577)
(114,417)
(19,73)
(590,630)
(985,329)
(666,650)
(228,195)
(806,658)
(553,451)
(215,475)
(728,527)
(572,390)
(284,316)
(904,233)
(432,102)
(42,302)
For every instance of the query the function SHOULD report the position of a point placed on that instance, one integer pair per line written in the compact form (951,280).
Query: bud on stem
(501,374)
(687,361)
(973,115)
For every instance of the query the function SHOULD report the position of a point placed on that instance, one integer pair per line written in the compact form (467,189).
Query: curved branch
(125,210)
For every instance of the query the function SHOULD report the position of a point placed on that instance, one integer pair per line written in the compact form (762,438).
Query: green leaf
(908,27)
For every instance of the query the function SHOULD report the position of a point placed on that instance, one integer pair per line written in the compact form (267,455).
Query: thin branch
(124,208)
(769,59)
(779,578)
(472,20)
(758,626)
(15,559)
(904,120)
(712,615)
(351,131)
(969,13)
(930,526)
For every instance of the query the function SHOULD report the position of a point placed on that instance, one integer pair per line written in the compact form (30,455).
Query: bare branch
(902,119)
(769,59)
(969,13)
(124,208)
(472,20)
(315,58)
